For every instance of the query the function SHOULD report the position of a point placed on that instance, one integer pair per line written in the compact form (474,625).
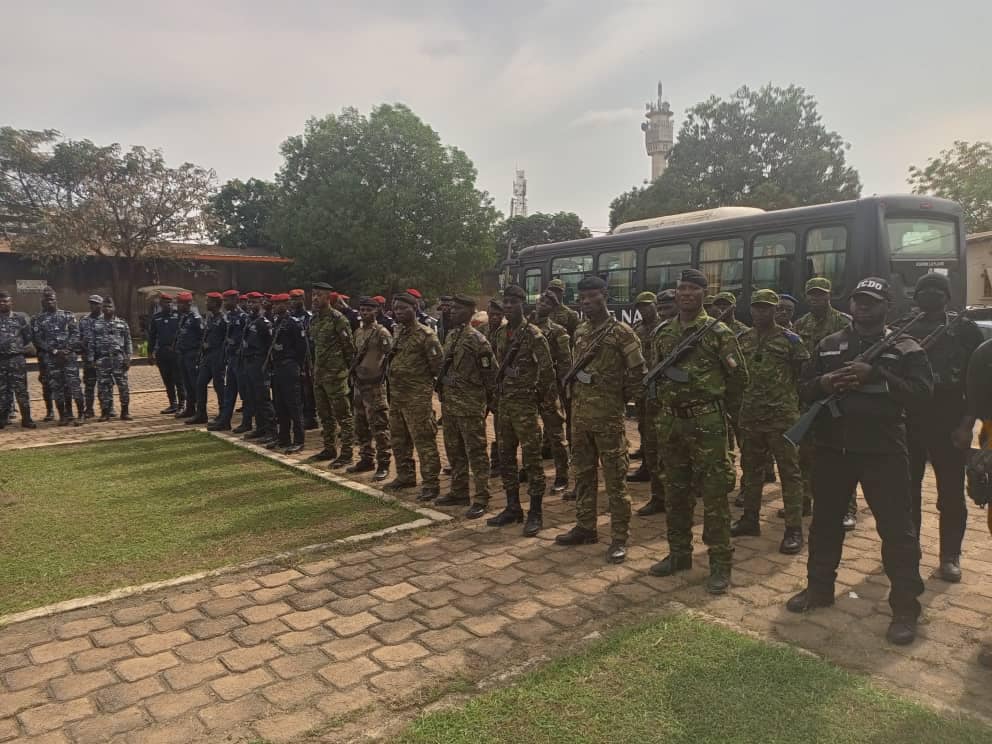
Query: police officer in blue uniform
(211,362)
(162,332)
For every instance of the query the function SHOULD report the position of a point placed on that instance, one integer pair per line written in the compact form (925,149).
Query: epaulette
(792,336)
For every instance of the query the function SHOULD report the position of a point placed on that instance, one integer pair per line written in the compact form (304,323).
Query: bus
(900,237)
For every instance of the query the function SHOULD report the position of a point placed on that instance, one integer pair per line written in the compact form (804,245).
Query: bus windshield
(914,238)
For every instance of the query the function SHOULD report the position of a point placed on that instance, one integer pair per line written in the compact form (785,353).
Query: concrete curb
(428,517)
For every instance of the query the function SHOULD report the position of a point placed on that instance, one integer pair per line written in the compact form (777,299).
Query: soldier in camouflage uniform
(774,358)
(56,337)
(665,304)
(821,321)
(786,310)
(109,350)
(373,342)
(89,371)
(692,433)
(552,418)
(525,383)
(563,315)
(15,335)
(414,364)
(334,350)
(647,409)
(495,318)
(607,372)
(467,390)
(721,302)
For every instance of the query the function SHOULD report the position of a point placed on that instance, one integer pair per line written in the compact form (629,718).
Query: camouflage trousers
(89,386)
(465,445)
(694,451)
(756,449)
(372,423)
(553,427)
(334,411)
(648,411)
(63,381)
(14,386)
(518,425)
(603,444)
(110,372)
(412,425)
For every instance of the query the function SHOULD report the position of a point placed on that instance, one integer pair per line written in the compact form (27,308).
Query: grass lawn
(683,680)
(86,518)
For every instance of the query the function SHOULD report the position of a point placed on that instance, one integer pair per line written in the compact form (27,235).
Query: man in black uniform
(162,352)
(188,339)
(286,359)
(940,430)
(211,365)
(255,344)
(234,320)
(865,444)
(89,371)
(298,309)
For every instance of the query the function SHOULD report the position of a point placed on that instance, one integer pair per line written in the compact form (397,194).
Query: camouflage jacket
(531,376)
(334,346)
(602,388)
(415,362)
(567,318)
(812,331)
(15,335)
(56,332)
(109,338)
(469,373)
(645,334)
(85,332)
(560,345)
(373,343)
(716,369)
(738,327)
(774,363)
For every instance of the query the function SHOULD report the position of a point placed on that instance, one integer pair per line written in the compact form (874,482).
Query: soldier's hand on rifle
(854,375)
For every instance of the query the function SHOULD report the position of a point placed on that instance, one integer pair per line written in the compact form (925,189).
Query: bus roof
(686,218)
(895,202)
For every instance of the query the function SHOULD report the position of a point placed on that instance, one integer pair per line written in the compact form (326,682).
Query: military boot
(747,525)
(381,473)
(80,409)
(49,411)
(792,541)
(902,630)
(655,506)
(511,514)
(199,416)
(104,415)
(560,484)
(719,580)
(808,600)
(535,521)
(641,475)
(577,536)
(671,564)
(28,423)
(65,416)
(617,552)
(364,465)
(242,428)
(125,412)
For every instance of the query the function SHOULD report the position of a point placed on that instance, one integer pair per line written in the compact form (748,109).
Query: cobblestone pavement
(352,644)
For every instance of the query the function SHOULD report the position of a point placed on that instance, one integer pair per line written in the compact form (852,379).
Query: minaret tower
(659,134)
(518,202)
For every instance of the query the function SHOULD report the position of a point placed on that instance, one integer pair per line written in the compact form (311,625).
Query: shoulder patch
(792,337)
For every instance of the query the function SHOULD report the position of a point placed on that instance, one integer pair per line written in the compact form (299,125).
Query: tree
(766,148)
(519,232)
(964,174)
(64,200)
(377,203)
(242,210)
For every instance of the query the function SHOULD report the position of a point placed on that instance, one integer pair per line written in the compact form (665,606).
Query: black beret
(445,298)
(495,303)
(462,299)
(694,276)
(322,285)
(513,290)
(368,302)
(666,295)
(591,282)
(933,280)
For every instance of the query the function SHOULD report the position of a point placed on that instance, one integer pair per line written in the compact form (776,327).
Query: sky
(556,88)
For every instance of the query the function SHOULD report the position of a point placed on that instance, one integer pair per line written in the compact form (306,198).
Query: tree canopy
(64,200)
(242,211)
(518,232)
(377,203)
(962,173)
(763,148)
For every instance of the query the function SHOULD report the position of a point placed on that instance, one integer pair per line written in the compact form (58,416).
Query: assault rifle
(942,330)
(272,344)
(579,365)
(510,356)
(667,366)
(869,356)
(445,367)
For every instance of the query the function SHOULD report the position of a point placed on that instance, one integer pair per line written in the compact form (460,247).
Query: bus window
(571,269)
(773,257)
(532,285)
(665,264)
(617,268)
(826,253)
(912,238)
(723,263)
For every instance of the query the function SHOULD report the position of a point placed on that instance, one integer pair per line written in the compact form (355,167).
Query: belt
(696,409)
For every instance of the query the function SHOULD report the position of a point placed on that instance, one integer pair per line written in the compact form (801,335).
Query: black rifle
(446,367)
(667,366)
(942,330)
(592,349)
(272,343)
(510,356)
(869,356)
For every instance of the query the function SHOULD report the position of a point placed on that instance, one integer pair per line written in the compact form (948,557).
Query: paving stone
(153,644)
(185,730)
(339,703)
(353,624)
(353,605)
(273,594)
(253,634)
(77,685)
(345,674)
(234,588)
(54,715)
(300,639)
(349,573)
(446,639)
(225,716)
(137,613)
(125,694)
(399,684)
(235,685)
(36,674)
(113,636)
(20,638)
(316,568)
(394,592)
(13,661)
(400,655)
(308,619)
(190,675)
(429,582)
(435,599)
(524,610)
(102,729)
(447,665)
(472,587)
(314,583)
(187,600)
(203,650)
(243,659)
(203,629)
(343,649)
(175,620)
(279,578)
(81,627)
(287,727)
(173,704)
(12,702)
(294,692)
(395,610)
(442,617)
(58,650)
(295,665)
(568,617)
(396,632)
(225,606)
(8,729)
(485,625)
(311,600)
(355,588)
(494,648)
(479,604)
(134,669)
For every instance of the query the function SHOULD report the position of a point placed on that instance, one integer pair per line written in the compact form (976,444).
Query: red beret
(344,297)
(297,293)
(243,297)
(380,299)
(165,296)
(185,296)
(231,293)
(284,297)
(255,295)
(215,295)
(415,293)
(267,295)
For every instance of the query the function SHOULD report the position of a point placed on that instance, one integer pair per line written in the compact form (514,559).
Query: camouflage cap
(709,299)
(645,297)
(818,284)
(728,297)
(96,299)
(556,284)
(765,297)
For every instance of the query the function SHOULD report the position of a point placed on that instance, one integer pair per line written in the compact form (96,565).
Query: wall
(979,261)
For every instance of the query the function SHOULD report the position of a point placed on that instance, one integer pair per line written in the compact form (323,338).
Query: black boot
(511,514)
(950,568)
(902,630)
(747,525)
(792,541)
(242,428)
(364,465)
(26,421)
(104,415)
(807,600)
(453,500)
(125,412)
(49,411)
(655,506)
(535,522)
(170,409)
(641,475)
(219,426)
(199,416)
(671,564)
(617,552)
(719,580)
(381,473)
(65,414)
(577,536)
(560,484)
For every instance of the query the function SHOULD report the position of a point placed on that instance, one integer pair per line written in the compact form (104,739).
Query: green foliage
(377,203)
(516,233)
(964,174)
(242,211)
(763,148)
